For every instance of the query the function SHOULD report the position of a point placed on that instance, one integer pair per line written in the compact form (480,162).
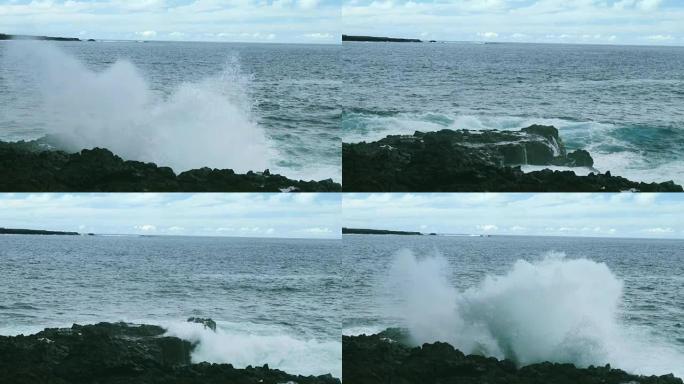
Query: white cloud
(488,35)
(146,227)
(556,214)
(659,230)
(660,37)
(204,214)
(148,34)
(308,4)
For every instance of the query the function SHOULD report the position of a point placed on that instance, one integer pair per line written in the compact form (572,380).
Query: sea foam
(244,344)
(556,309)
(204,123)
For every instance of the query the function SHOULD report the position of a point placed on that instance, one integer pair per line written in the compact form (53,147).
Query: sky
(205,214)
(633,215)
(275,21)
(642,22)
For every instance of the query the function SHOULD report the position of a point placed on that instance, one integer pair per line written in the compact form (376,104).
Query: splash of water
(557,309)
(242,347)
(207,123)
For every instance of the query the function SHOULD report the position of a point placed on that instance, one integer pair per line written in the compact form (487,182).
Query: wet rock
(379,359)
(38,166)
(118,353)
(462,161)
(208,323)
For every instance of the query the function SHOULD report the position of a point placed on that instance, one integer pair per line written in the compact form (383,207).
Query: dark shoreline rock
(35,166)
(474,161)
(380,359)
(118,353)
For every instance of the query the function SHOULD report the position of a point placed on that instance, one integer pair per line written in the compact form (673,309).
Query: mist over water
(554,309)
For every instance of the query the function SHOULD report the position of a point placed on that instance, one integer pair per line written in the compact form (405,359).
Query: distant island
(28,37)
(379,39)
(364,231)
(17,231)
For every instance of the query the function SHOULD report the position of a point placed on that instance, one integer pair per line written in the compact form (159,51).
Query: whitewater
(623,104)
(180,105)
(529,309)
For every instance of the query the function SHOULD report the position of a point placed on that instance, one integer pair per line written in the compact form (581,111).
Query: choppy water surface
(186,105)
(275,301)
(624,104)
(580,300)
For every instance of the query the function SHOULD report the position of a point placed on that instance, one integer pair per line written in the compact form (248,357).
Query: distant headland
(364,231)
(4,36)
(379,39)
(18,231)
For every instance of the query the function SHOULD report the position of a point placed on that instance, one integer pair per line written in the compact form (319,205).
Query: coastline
(367,358)
(111,353)
(39,166)
(478,161)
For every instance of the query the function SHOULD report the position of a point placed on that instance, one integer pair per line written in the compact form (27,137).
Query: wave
(248,344)
(649,154)
(557,309)
(205,123)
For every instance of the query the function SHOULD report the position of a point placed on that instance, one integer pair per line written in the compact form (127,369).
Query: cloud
(660,37)
(659,230)
(203,214)
(557,214)
(148,34)
(488,35)
(146,227)
(308,4)
(191,20)
(547,21)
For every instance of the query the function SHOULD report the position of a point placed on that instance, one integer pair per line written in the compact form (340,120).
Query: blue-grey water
(625,104)
(275,301)
(185,105)
(580,300)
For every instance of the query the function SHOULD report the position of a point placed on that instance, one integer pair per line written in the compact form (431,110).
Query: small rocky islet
(387,358)
(42,166)
(477,161)
(119,353)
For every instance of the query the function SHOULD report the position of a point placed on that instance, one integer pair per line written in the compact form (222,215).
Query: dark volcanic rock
(208,323)
(462,161)
(118,353)
(35,166)
(378,359)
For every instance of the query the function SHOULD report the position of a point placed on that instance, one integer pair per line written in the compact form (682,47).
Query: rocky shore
(36,166)
(381,358)
(108,353)
(463,160)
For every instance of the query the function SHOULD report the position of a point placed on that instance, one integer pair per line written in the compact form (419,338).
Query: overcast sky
(646,22)
(282,21)
(545,214)
(229,214)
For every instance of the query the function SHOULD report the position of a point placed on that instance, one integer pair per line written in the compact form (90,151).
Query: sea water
(183,105)
(275,301)
(624,104)
(586,301)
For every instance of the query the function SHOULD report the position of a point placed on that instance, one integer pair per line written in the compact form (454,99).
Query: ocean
(624,104)
(184,105)
(587,301)
(275,301)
